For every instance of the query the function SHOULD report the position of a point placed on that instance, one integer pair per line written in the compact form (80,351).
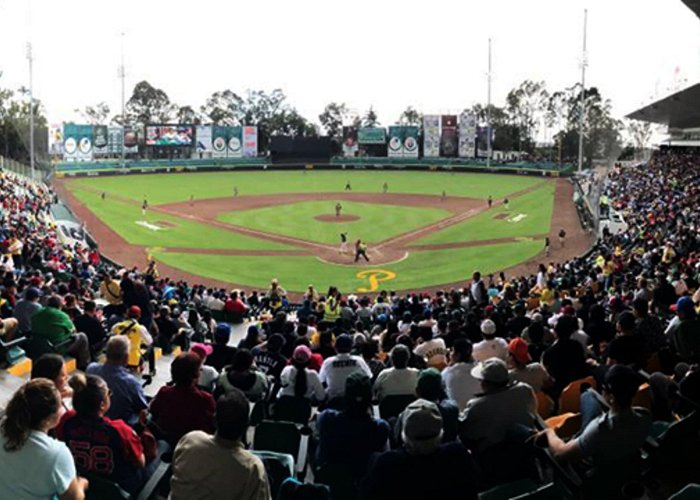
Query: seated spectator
(648,327)
(460,385)
(338,368)
(399,380)
(111,291)
(252,338)
(55,326)
(235,305)
(53,367)
(491,416)
(430,387)
(369,350)
(491,346)
(222,354)
(87,431)
(128,402)
(522,369)
(390,474)
(268,357)
(208,374)
(180,408)
(325,346)
(610,440)
(565,360)
(433,350)
(685,337)
(519,322)
(219,467)
(627,348)
(168,331)
(23,312)
(298,380)
(350,437)
(242,375)
(91,325)
(138,336)
(35,465)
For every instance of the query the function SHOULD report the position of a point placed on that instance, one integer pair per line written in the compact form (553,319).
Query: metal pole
(488,114)
(30,58)
(122,74)
(582,110)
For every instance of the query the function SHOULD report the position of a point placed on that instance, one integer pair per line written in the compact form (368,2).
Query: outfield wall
(90,169)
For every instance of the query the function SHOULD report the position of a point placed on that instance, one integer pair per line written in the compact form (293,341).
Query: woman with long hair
(53,367)
(242,375)
(100,445)
(299,380)
(35,465)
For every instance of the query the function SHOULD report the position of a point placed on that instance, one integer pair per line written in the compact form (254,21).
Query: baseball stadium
(223,295)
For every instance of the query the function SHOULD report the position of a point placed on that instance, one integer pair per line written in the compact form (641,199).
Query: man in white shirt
(398,380)
(490,347)
(460,384)
(434,351)
(336,369)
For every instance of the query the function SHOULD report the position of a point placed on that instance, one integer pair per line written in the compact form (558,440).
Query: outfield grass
(171,188)
(537,205)
(377,222)
(418,270)
(122,217)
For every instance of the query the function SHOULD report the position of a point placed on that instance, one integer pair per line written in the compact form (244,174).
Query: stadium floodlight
(582,107)
(122,74)
(30,59)
(489,146)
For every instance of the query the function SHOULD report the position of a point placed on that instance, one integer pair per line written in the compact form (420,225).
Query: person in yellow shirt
(111,291)
(138,336)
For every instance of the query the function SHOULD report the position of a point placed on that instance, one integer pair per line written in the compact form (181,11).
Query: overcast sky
(431,54)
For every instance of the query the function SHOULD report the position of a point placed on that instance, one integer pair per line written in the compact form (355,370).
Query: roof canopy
(693,5)
(679,110)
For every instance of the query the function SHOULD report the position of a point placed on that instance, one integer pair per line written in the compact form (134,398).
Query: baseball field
(422,229)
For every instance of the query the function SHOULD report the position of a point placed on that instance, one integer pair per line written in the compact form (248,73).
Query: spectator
(349,437)
(138,336)
(91,325)
(24,310)
(432,350)
(168,331)
(336,369)
(461,386)
(490,417)
(685,338)
(55,326)
(128,402)
(180,408)
(268,357)
(35,465)
(52,367)
(243,376)
(522,369)
(491,346)
(252,338)
(222,354)
(219,467)
(111,291)
(399,379)
(392,475)
(208,374)
(298,380)
(627,348)
(565,360)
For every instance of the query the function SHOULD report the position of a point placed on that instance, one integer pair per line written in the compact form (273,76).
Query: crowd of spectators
(475,361)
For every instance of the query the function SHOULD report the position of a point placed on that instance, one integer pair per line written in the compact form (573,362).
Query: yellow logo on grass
(375,276)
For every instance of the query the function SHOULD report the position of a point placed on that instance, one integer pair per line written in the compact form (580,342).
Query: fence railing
(22,169)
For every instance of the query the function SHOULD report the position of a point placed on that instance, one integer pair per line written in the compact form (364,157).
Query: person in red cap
(138,336)
(522,369)
(208,374)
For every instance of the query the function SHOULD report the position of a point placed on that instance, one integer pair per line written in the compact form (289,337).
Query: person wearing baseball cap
(491,346)
(348,438)
(222,353)
(336,369)
(522,369)
(138,336)
(208,374)
(610,440)
(392,474)
(298,380)
(488,417)
(685,337)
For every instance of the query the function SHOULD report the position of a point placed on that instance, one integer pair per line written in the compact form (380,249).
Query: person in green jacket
(55,326)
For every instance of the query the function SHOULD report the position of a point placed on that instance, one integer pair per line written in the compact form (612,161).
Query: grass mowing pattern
(377,222)
(418,270)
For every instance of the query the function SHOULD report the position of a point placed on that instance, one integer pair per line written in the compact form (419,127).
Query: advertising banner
(431,136)
(410,142)
(467,134)
(169,135)
(234,143)
(203,135)
(55,141)
(131,139)
(349,141)
(395,148)
(218,141)
(250,142)
(448,137)
(77,142)
(100,140)
(371,135)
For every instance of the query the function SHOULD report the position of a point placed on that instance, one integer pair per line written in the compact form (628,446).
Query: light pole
(582,106)
(30,58)
(488,113)
(122,75)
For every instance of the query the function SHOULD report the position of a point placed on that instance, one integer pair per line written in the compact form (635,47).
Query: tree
(149,105)
(95,115)
(410,117)
(370,118)
(187,115)
(223,108)
(332,119)
(640,133)
(526,105)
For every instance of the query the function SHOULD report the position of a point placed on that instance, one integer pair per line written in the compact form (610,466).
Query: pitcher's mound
(339,218)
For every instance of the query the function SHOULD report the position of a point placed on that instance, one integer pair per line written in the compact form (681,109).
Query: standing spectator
(182,407)
(461,386)
(128,402)
(219,467)
(35,465)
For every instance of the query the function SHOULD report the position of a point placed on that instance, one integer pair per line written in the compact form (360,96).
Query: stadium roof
(679,110)
(693,5)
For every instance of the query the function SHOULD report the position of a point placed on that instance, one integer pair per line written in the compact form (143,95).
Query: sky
(431,55)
